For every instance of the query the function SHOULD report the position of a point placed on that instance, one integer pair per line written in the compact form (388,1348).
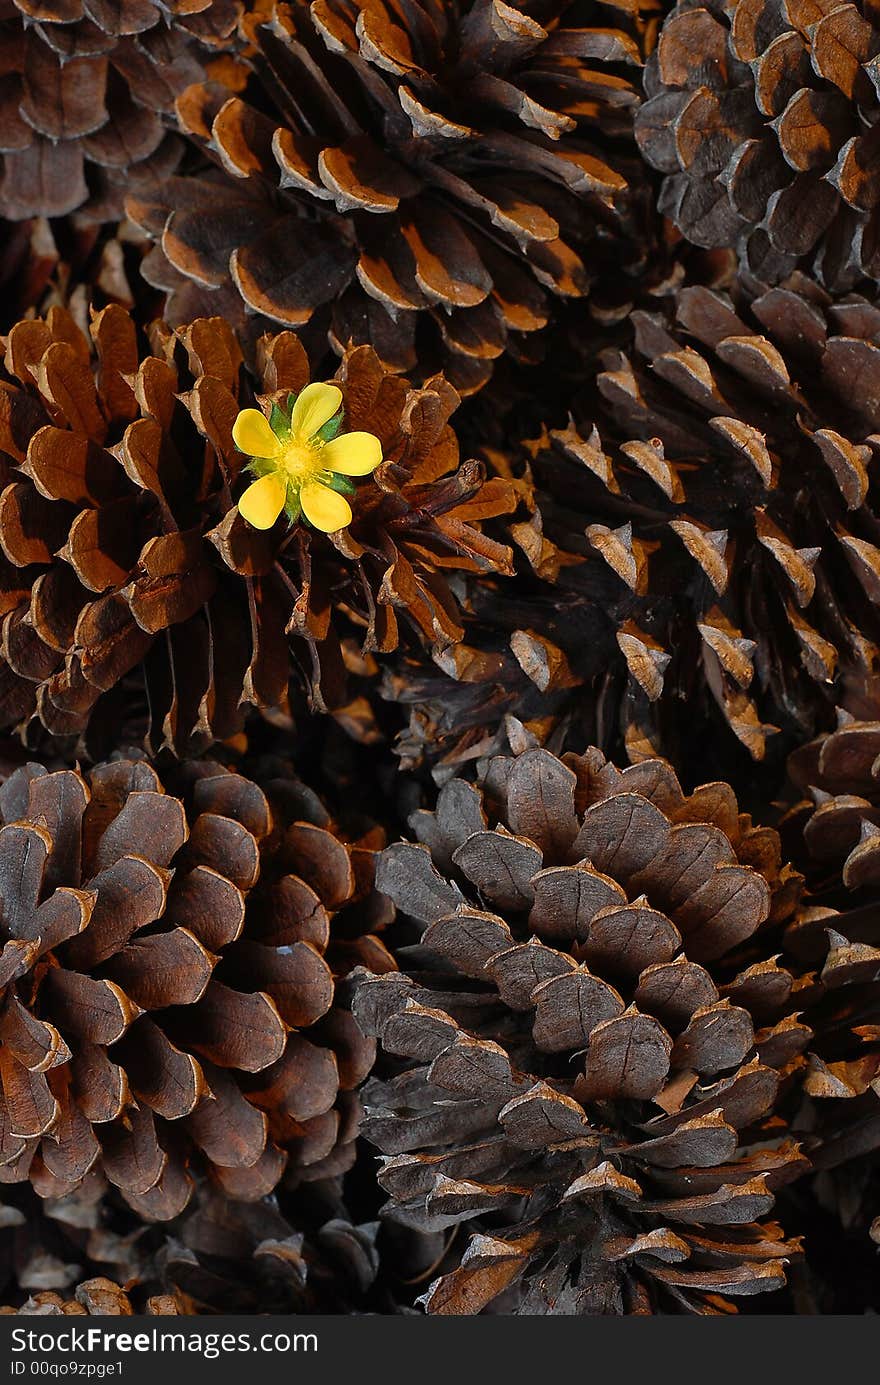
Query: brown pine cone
(421,178)
(100,1298)
(727,498)
(598,1070)
(765,119)
(170,1000)
(839,816)
(711,546)
(836,829)
(88,90)
(123,554)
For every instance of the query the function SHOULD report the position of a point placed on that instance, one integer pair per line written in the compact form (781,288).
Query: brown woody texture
(122,551)
(728,493)
(169,969)
(696,546)
(600,1040)
(764,117)
(425,178)
(835,826)
(88,90)
(839,815)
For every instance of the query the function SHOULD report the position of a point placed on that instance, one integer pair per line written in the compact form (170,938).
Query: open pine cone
(729,498)
(88,90)
(423,178)
(169,968)
(766,117)
(710,545)
(121,548)
(599,1068)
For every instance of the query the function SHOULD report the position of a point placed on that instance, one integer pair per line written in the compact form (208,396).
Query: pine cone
(729,502)
(169,982)
(87,91)
(422,179)
(765,119)
(100,1298)
(836,829)
(710,545)
(637,926)
(123,552)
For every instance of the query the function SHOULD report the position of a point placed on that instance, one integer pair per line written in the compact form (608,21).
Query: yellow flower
(302,461)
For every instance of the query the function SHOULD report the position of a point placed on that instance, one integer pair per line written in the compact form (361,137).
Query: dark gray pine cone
(601,1045)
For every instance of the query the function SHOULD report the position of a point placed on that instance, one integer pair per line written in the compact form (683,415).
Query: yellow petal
(263,502)
(315,406)
(326,509)
(251,434)
(352,454)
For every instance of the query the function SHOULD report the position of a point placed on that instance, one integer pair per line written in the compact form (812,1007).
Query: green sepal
(279,422)
(334,482)
(262,466)
(292,508)
(331,428)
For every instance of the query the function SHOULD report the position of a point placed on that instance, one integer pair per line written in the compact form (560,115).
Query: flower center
(301,461)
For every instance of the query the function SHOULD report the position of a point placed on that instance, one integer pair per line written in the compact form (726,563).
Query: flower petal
(352,454)
(315,406)
(251,434)
(263,502)
(326,509)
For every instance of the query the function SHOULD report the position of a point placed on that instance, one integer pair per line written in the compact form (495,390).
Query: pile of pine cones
(439,656)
